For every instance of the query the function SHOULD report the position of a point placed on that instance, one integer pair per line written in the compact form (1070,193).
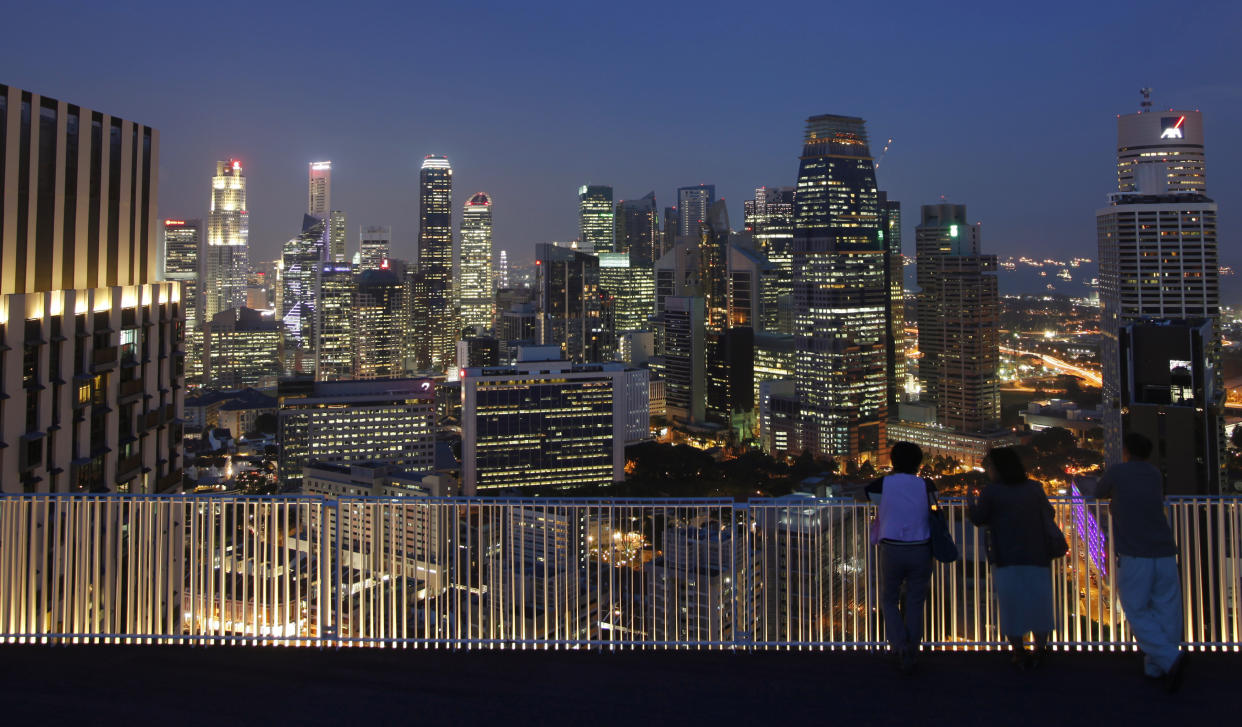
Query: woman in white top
(903,533)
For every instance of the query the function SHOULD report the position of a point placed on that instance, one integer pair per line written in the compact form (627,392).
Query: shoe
(1173,678)
(906,662)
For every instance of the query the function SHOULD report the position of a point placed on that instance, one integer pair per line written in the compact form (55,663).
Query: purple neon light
(1088,529)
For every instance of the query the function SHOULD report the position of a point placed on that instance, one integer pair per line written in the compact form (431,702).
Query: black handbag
(1054,539)
(942,546)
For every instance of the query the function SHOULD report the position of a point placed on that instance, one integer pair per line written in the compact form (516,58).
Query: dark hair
(906,457)
(1137,445)
(1008,465)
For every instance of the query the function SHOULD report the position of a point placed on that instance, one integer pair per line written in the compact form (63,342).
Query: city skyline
(998,113)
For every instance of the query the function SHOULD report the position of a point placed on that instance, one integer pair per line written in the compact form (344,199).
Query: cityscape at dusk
(888,334)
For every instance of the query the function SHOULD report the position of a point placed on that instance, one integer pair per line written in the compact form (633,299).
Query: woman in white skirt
(1013,509)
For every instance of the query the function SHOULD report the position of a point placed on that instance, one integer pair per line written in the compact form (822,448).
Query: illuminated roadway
(1064,367)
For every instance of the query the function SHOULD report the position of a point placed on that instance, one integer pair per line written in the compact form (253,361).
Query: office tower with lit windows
(243,349)
(380,315)
(769,220)
(682,359)
(544,424)
(183,241)
(693,204)
(434,316)
(475,269)
(1159,285)
(958,320)
(336,236)
(638,230)
(334,316)
(839,294)
(226,265)
(568,300)
(91,381)
(729,348)
(300,260)
(319,190)
(502,270)
(895,315)
(379,421)
(374,246)
(631,288)
(595,218)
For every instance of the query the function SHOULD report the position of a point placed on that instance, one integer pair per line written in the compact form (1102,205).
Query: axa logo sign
(1171,127)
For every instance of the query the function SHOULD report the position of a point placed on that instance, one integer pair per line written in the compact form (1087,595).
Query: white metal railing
(790,573)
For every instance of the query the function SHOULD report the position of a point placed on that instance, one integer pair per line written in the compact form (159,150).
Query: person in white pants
(1147,575)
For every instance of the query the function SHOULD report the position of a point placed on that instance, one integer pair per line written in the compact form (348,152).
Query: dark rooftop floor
(233,685)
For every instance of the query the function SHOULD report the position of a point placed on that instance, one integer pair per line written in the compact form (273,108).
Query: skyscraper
(437,330)
(959,315)
(638,230)
(569,304)
(319,190)
(595,218)
(692,206)
(374,245)
(631,289)
(839,293)
(1158,266)
(336,236)
(228,230)
(182,243)
(301,258)
(475,270)
(334,314)
(769,219)
(502,270)
(92,393)
(381,313)
(895,315)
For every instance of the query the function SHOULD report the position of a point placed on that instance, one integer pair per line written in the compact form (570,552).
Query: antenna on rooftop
(1145,106)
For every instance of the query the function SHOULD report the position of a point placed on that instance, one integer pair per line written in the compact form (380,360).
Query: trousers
(1151,597)
(910,565)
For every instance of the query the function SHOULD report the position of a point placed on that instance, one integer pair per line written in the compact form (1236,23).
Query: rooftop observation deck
(215,686)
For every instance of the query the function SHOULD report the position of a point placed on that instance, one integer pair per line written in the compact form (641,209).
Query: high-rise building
(334,317)
(544,424)
(1173,140)
(380,316)
(382,421)
(502,270)
(631,288)
(839,294)
(374,246)
(682,358)
(183,241)
(958,316)
(1158,265)
(243,349)
(769,220)
(319,190)
(300,260)
(336,236)
(693,204)
(668,236)
(434,315)
(478,306)
(227,265)
(595,219)
(569,304)
(895,315)
(91,382)
(638,230)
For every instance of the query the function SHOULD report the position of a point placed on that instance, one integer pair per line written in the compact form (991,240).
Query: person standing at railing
(902,531)
(1147,577)
(1014,509)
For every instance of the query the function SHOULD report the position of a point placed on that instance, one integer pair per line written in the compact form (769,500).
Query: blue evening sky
(1006,107)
